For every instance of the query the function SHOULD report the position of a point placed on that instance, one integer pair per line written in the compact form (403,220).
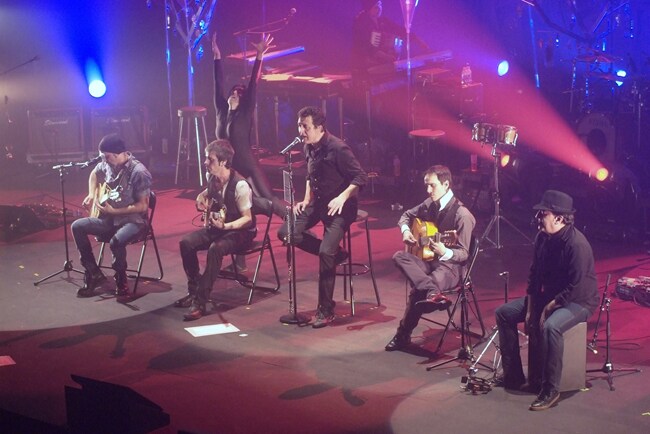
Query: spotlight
(600,174)
(97,88)
(96,85)
(503,68)
(620,73)
(504,160)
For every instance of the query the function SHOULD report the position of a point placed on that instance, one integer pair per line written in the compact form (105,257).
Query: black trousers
(218,243)
(334,230)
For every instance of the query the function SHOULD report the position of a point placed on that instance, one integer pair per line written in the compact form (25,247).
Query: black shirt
(332,167)
(563,270)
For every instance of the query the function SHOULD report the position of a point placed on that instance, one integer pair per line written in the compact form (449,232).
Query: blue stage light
(503,68)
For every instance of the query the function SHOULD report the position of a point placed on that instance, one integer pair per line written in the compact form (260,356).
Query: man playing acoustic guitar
(229,224)
(118,200)
(438,232)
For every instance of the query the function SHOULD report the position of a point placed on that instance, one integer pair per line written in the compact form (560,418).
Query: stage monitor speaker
(18,221)
(55,136)
(130,123)
(105,408)
(453,99)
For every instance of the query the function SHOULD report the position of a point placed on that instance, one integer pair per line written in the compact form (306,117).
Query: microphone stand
(293,317)
(608,366)
(67,265)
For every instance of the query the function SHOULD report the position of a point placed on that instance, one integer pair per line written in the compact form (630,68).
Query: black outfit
(437,276)
(331,168)
(235,125)
(218,242)
(365,54)
(562,270)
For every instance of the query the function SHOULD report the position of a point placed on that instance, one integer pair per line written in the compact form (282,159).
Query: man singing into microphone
(562,292)
(334,177)
(121,216)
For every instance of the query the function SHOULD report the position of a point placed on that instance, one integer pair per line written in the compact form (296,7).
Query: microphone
(591,348)
(292,12)
(291,146)
(85,164)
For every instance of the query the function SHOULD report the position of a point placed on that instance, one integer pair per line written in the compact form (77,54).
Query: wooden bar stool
(191,114)
(422,143)
(351,269)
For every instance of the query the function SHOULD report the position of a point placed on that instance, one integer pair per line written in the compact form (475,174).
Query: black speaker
(55,135)
(100,407)
(18,221)
(130,123)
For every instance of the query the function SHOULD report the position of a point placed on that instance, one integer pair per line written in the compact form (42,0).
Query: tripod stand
(608,366)
(293,317)
(67,265)
(493,339)
(497,217)
(465,353)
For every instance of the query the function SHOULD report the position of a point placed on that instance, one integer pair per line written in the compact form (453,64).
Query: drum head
(598,132)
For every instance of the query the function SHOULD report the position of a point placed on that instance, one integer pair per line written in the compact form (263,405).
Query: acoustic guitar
(426,233)
(104,195)
(216,211)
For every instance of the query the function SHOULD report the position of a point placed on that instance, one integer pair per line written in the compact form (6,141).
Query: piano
(285,85)
(416,63)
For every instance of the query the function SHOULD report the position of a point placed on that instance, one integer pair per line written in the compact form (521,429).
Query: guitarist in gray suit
(118,200)
(434,264)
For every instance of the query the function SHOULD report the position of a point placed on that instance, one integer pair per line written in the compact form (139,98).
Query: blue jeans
(104,228)
(546,344)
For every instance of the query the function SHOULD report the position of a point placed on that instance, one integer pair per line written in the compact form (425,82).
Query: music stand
(293,317)
(496,135)
(67,265)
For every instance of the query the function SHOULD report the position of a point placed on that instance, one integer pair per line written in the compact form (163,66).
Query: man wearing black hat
(120,216)
(561,292)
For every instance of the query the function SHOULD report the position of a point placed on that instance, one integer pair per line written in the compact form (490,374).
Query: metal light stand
(465,353)
(293,317)
(67,265)
(497,217)
(608,366)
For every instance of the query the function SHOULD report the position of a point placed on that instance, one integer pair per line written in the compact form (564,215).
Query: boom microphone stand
(608,366)
(293,317)
(67,265)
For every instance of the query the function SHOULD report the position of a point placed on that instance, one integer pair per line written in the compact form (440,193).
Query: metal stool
(192,115)
(350,269)
(422,140)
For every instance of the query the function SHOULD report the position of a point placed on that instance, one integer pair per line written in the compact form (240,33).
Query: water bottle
(466,75)
(397,169)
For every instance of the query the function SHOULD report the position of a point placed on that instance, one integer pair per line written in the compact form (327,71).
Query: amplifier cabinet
(130,123)
(55,135)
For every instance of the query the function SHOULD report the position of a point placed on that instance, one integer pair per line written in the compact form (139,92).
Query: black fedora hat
(557,202)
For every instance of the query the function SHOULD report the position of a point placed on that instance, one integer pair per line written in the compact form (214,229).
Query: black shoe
(433,302)
(323,320)
(399,342)
(197,310)
(500,381)
(185,301)
(341,257)
(545,400)
(91,282)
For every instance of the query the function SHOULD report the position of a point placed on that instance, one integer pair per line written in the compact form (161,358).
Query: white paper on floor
(6,361)
(213,329)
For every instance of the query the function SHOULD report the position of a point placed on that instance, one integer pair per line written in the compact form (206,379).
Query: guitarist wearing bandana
(438,231)
(117,200)
(229,224)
